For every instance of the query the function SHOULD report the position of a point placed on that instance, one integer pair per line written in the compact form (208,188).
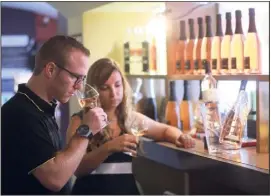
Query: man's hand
(185,141)
(96,119)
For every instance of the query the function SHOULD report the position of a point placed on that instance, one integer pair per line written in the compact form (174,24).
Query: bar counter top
(245,170)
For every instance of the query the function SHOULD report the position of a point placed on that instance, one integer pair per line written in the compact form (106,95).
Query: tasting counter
(163,168)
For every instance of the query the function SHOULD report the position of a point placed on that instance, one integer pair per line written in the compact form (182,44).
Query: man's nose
(78,86)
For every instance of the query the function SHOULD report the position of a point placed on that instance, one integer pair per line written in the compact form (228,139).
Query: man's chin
(63,101)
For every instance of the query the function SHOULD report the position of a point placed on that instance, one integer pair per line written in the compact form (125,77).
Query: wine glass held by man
(35,162)
(108,146)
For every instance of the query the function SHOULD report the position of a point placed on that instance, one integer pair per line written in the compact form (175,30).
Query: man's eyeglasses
(79,78)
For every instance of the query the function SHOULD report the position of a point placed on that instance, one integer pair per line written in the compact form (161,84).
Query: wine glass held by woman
(107,147)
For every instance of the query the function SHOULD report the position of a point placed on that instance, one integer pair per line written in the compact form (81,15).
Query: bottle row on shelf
(231,53)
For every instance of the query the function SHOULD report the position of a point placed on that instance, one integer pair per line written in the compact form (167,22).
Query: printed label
(187,65)
(214,63)
(233,63)
(247,63)
(225,63)
(232,138)
(178,64)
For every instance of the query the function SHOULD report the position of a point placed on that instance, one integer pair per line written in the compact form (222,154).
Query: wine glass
(88,98)
(138,127)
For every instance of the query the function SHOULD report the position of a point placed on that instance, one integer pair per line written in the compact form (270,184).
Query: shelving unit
(172,37)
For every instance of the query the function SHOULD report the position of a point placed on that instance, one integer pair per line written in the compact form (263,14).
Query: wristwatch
(84,131)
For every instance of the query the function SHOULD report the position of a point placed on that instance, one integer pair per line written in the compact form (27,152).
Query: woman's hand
(185,141)
(123,143)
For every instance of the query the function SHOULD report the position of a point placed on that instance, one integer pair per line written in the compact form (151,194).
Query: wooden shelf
(263,78)
(147,76)
(221,77)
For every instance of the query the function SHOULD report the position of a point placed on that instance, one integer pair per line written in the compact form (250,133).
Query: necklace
(31,100)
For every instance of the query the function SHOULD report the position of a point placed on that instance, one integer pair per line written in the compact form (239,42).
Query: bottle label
(196,64)
(225,63)
(145,56)
(127,57)
(247,63)
(205,63)
(232,138)
(214,64)
(210,95)
(233,62)
(187,65)
(178,64)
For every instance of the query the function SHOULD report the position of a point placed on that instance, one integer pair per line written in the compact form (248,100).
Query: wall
(11,24)
(104,31)
(75,25)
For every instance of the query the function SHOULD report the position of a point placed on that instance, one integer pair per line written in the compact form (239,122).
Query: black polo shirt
(30,137)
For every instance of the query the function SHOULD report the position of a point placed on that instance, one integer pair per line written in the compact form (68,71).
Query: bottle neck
(238,27)
(172,92)
(218,27)
(185,98)
(208,30)
(228,27)
(182,32)
(200,36)
(252,25)
(191,31)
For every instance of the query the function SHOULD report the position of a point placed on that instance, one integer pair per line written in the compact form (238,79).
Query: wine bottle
(212,115)
(198,69)
(226,47)
(184,110)
(252,47)
(149,106)
(172,115)
(189,66)
(180,50)
(232,129)
(126,58)
(153,61)
(237,46)
(207,43)
(216,46)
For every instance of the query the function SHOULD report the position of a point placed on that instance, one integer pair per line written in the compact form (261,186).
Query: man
(33,160)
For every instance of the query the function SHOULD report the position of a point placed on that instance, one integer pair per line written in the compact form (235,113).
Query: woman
(109,145)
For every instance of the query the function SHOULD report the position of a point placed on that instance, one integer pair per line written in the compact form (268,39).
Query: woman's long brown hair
(99,73)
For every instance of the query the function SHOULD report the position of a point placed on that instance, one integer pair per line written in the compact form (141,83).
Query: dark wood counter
(164,167)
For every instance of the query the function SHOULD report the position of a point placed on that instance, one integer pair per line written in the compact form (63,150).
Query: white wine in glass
(87,96)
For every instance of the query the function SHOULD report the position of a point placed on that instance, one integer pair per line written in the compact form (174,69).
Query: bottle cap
(228,15)
(238,14)
(208,19)
(190,21)
(251,11)
(172,84)
(200,20)
(182,24)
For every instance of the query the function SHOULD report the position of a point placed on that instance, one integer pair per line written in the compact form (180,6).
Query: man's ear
(50,69)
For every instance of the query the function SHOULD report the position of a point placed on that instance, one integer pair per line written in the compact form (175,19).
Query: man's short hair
(57,50)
